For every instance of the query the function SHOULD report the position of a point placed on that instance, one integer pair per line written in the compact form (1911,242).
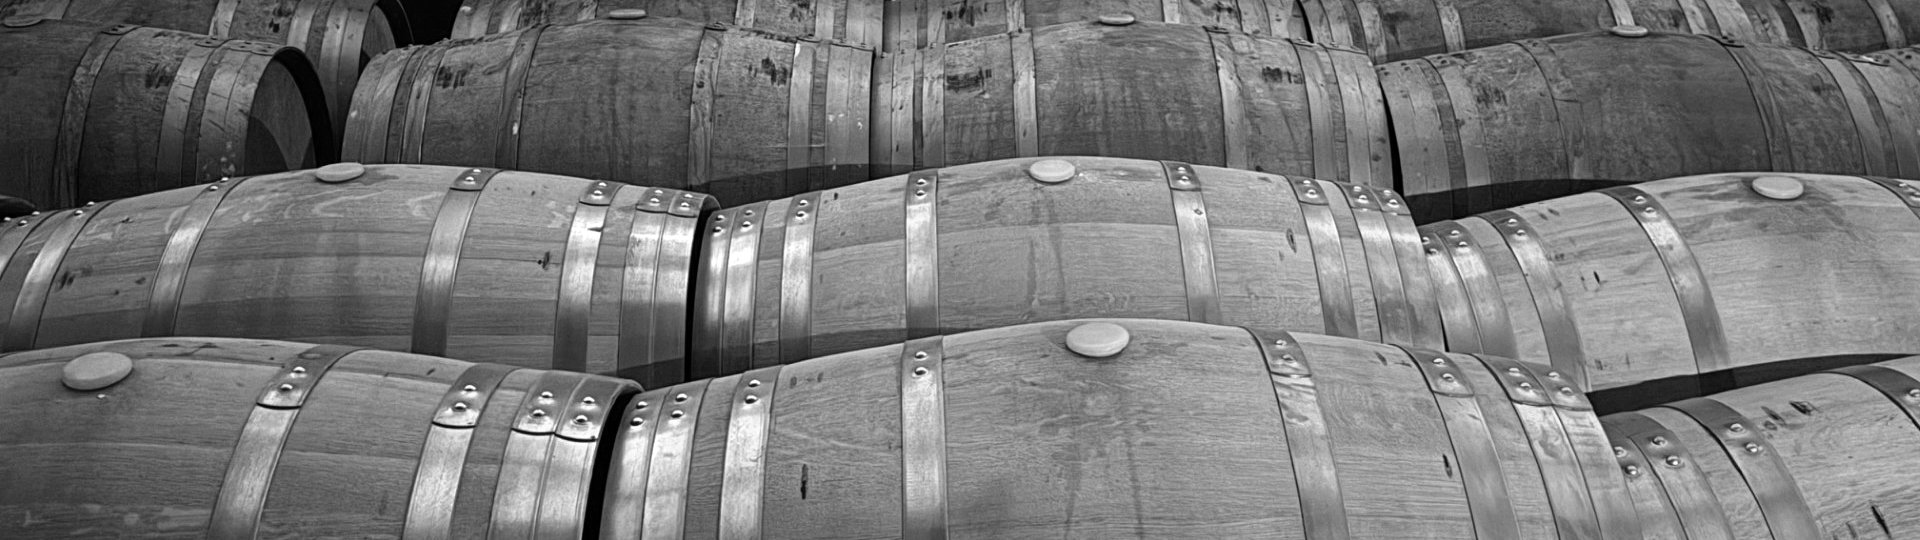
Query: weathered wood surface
(782,281)
(1832,273)
(855,22)
(338,36)
(1539,116)
(741,114)
(1035,440)
(149,456)
(1846,446)
(372,262)
(1143,90)
(98,111)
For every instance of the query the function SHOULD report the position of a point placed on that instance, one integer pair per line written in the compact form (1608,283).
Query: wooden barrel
(1187,430)
(1686,276)
(1827,455)
(516,268)
(1012,241)
(98,112)
(227,438)
(339,36)
(741,114)
(1140,90)
(1603,106)
(855,22)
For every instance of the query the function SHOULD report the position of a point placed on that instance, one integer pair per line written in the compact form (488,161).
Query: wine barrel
(855,22)
(1686,276)
(1827,455)
(1605,106)
(1119,428)
(516,268)
(1139,90)
(98,111)
(339,36)
(228,438)
(1020,240)
(740,114)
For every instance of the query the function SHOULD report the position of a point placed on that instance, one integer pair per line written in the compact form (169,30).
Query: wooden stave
(1041,106)
(851,378)
(1766,107)
(825,144)
(1815,425)
(856,22)
(133,89)
(855,253)
(1638,320)
(246,279)
(205,388)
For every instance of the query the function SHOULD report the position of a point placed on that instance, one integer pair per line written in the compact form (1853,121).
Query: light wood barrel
(1686,276)
(228,438)
(339,36)
(1818,456)
(989,244)
(1141,90)
(1191,430)
(100,111)
(741,114)
(516,268)
(1602,106)
(855,22)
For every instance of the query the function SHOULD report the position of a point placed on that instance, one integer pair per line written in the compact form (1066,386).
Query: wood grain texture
(1147,91)
(285,256)
(856,22)
(154,446)
(255,108)
(1013,250)
(616,99)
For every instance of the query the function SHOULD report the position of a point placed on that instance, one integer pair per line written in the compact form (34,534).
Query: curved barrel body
(516,268)
(855,22)
(1816,456)
(228,438)
(1492,122)
(1190,430)
(741,114)
(1686,276)
(1144,90)
(339,36)
(99,111)
(986,245)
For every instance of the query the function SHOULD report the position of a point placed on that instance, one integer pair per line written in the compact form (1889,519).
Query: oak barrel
(1187,430)
(229,438)
(741,114)
(1686,276)
(99,111)
(1140,90)
(1601,106)
(1022,240)
(856,22)
(516,268)
(339,36)
(1827,455)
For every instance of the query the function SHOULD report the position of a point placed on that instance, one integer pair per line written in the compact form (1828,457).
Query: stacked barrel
(853,268)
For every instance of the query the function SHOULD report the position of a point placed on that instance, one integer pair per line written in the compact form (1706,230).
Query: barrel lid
(340,172)
(1117,19)
(1052,171)
(1098,340)
(627,14)
(21,21)
(96,370)
(1629,30)
(1778,187)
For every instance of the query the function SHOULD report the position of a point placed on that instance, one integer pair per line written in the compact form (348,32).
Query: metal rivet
(1463,243)
(677,414)
(339,172)
(1737,428)
(1513,371)
(748,213)
(685,204)
(582,419)
(1753,448)
(597,193)
(1512,222)
(1639,198)
(801,214)
(586,400)
(1313,193)
(461,406)
(744,225)
(1913,394)
(1649,211)
(213,188)
(1673,461)
(753,383)
(1393,203)
(79,212)
(1659,441)
(682,398)
(637,421)
(546,395)
(1431,251)
(298,370)
(1426,240)
(753,399)
(1619,452)
(720,217)
(922,355)
(470,389)
(1453,233)
(1565,391)
(803,203)
(1778,187)
(718,230)
(1446,377)
(1526,387)
(1280,342)
(919,181)
(1520,232)
(1288,359)
(286,388)
(1633,470)
(1553,374)
(919,371)
(639,405)
(1439,361)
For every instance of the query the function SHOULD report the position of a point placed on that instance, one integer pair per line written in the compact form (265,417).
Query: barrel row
(1320,437)
(1388,31)
(1817,456)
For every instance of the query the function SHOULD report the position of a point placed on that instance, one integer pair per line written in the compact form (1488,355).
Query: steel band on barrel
(796,278)
(742,276)
(1771,482)
(1323,510)
(443,457)
(744,476)
(1488,500)
(507,153)
(1697,309)
(1567,491)
(1564,347)
(1897,385)
(1196,242)
(665,506)
(433,303)
(1383,265)
(523,465)
(1329,261)
(921,199)
(923,440)
(573,304)
(1483,291)
(243,492)
(1694,500)
(23,328)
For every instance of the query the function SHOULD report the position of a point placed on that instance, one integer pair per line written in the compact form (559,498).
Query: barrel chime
(747,269)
